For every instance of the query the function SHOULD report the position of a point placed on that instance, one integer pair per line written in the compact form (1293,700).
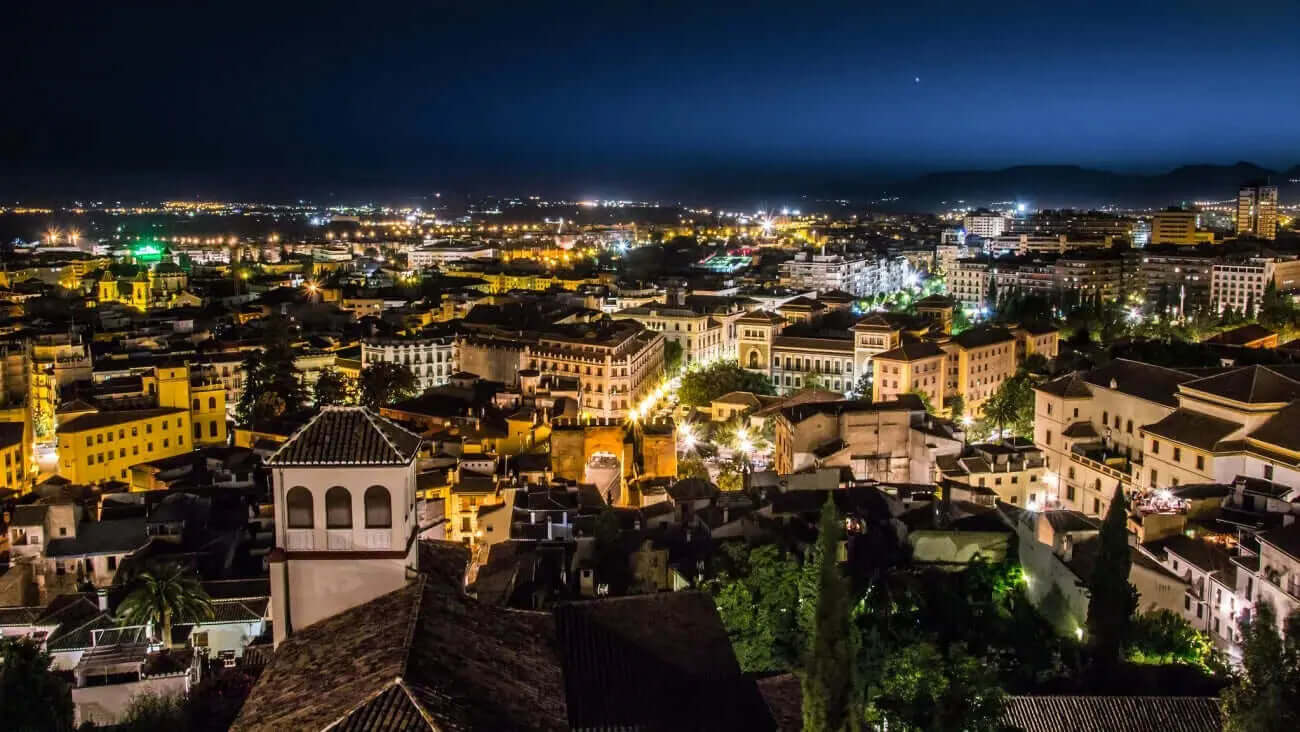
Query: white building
(858,275)
(985,225)
(432,358)
(344,493)
(440,255)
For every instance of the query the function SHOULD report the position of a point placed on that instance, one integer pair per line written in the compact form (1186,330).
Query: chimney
(101,596)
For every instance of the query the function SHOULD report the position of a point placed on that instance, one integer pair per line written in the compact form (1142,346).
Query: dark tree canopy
(702,385)
(1111,598)
(32,698)
(383,383)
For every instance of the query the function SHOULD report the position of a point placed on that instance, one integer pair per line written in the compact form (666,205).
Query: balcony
(300,539)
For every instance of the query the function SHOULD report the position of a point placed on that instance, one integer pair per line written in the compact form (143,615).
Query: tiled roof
(679,672)
(100,420)
(1192,428)
(33,515)
(1143,380)
(423,658)
(982,336)
(1242,335)
(348,436)
(1080,430)
(800,412)
(911,352)
(1282,429)
(1112,713)
(1071,386)
(1249,384)
(465,665)
(117,536)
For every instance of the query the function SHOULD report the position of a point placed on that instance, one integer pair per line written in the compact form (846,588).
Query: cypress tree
(830,693)
(1112,600)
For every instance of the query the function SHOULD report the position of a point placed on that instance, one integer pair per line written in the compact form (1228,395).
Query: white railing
(338,539)
(377,538)
(300,539)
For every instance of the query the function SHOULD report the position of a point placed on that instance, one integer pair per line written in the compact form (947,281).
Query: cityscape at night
(650,366)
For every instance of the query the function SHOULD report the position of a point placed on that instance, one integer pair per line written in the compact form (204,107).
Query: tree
(957,407)
(759,601)
(672,357)
(862,388)
(829,683)
(1034,363)
(272,385)
(1164,637)
(814,380)
(1263,697)
(160,594)
(924,397)
(32,698)
(334,389)
(921,688)
(385,382)
(1012,405)
(692,466)
(1111,598)
(150,711)
(702,385)
(992,299)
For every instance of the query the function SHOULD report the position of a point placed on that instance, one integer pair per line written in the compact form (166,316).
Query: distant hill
(1054,186)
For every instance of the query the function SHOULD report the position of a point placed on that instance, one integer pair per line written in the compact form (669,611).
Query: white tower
(345,524)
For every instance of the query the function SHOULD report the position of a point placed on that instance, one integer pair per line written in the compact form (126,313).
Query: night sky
(628,99)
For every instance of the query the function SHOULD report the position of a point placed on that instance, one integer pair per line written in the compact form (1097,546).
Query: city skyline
(633,101)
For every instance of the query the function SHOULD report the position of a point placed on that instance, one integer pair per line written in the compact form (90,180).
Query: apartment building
(978,361)
(858,275)
(617,362)
(1039,244)
(103,446)
(1172,281)
(1174,226)
(702,337)
(431,356)
(1240,284)
(985,224)
(911,367)
(1013,470)
(968,282)
(1257,211)
(1091,274)
(799,362)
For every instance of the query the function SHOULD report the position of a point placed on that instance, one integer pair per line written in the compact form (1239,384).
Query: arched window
(338,508)
(753,359)
(379,508)
(299,505)
(196,405)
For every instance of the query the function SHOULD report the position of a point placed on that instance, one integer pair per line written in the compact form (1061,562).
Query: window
(212,428)
(338,508)
(1155,447)
(1069,492)
(379,508)
(198,430)
(1187,600)
(1178,454)
(1049,437)
(212,402)
(1153,477)
(1200,462)
(112,562)
(1105,418)
(298,503)
(1128,427)
(1268,472)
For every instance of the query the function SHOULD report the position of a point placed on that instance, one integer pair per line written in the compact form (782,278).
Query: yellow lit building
(15,452)
(911,367)
(102,446)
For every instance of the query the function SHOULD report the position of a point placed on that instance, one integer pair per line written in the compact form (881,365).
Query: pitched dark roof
(1249,384)
(1080,430)
(679,672)
(466,666)
(1282,429)
(981,336)
(33,515)
(1070,386)
(1143,380)
(117,536)
(800,412)
(1192,428)
(911,352)
(1112,713)
(348,436)
(1241,335)
(100,420)
(1287,539)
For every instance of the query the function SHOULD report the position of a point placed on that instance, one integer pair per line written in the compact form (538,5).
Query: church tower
(140,290)
(345,524)
(107,287)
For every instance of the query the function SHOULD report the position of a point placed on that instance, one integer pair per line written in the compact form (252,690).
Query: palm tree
(161,593)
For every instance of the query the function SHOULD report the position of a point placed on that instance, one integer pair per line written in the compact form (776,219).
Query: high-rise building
(985,224)
(1257,211)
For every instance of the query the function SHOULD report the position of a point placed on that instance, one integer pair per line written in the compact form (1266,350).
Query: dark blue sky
(627,98)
